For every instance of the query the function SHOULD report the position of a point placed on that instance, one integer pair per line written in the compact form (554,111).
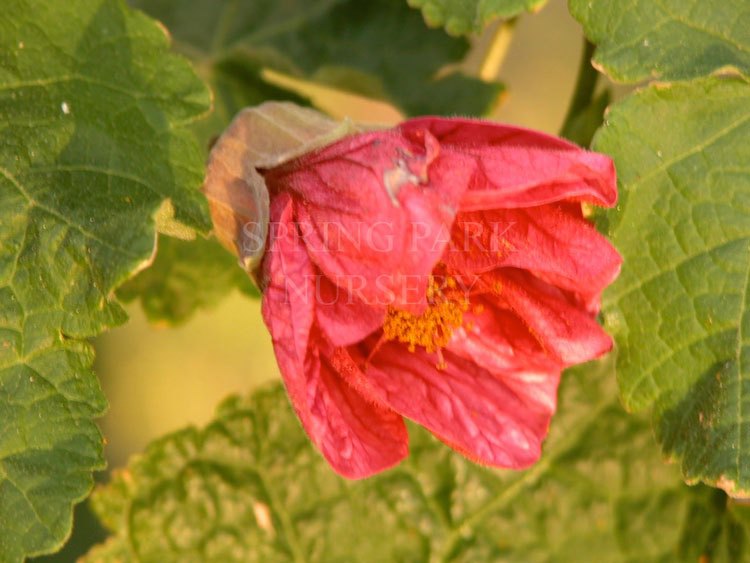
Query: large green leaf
(92,110)
(249,487)
(461,17)
(378,48)
(680,310)
(666,39)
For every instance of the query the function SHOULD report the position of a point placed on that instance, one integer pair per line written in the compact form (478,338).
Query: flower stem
(583,94)
(494,55)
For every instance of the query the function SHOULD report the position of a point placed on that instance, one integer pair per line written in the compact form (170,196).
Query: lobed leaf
(666,39)
(93,111)
(680,310)
(249,487)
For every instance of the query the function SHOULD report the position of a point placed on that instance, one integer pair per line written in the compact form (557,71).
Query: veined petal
(465,405)
(498,340)
(551,241)
(288,303)
(356,436)
(289,293)
(473,133)
(563,328)
(518,167)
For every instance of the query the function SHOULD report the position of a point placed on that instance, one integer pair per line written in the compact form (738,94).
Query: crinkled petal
(356,436)
(472,133)
(374,211)
(517,167)
(464,404)
(497,339)
(289,300)
(563,328)
(500,342)
(553,242)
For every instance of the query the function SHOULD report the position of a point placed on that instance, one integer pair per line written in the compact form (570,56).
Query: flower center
(434,327)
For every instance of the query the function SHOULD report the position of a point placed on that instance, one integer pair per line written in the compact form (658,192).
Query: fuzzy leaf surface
(249,487)
(93,141)
(666,39)
(680,310)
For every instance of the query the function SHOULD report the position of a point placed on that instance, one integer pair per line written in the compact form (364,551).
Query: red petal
(471,133)
(357,437)
(371,214)
(561,326)
(555,244)
(518,167)
(465,405)
(497,339)
(288,299)
(344,318)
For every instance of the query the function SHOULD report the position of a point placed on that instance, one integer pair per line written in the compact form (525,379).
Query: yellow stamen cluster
(434,327)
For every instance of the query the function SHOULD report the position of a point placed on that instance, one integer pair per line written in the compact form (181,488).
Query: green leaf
(462,17)
(92,110)
(680,310)
(378,48)
(666,39)
(87,533)
(249,487)
(186,276)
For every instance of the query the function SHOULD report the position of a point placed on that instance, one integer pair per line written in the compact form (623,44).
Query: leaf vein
(63,219)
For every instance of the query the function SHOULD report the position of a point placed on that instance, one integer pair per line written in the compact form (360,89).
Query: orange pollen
(434,327)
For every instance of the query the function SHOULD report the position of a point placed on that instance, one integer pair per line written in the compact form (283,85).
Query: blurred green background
(160,379)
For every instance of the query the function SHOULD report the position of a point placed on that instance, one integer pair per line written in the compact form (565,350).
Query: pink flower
(440,271)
